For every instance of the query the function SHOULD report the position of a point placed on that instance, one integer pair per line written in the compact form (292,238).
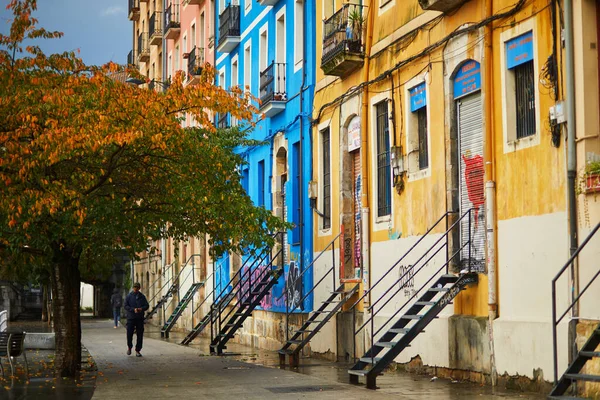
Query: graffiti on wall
(357,222)
(293,287)
(407,281)
(474,181)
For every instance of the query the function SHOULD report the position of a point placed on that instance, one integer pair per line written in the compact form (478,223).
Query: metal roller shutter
(356,237)
(472,191)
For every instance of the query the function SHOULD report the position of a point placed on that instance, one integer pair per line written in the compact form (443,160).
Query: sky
(99,29)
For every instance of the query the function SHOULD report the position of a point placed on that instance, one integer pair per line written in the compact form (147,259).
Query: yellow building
(439,146)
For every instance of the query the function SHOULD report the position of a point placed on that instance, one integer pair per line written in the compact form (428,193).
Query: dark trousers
(138,325)
(117,315)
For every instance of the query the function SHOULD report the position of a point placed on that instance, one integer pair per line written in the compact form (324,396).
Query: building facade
(266,48)
(439,145)
(406,142)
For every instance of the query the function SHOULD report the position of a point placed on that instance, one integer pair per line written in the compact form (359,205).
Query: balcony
(343,34)
(172,21)
(155,28)
(267,2)
(229,28)
(132,59)
(441,5)
(195,64)
(143,48)
(134,10)
(273,95)
(222,121)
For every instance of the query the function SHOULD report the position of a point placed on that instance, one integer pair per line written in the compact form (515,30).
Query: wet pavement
(169,370)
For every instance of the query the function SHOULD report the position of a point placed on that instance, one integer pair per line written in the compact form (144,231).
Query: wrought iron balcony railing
(229,23)
(172,17)
(343,32)
(134,9)
(272,84)
(195,61)
(155,26)
(143,49)
(132,58)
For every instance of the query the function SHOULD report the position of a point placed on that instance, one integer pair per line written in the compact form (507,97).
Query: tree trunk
(65,305)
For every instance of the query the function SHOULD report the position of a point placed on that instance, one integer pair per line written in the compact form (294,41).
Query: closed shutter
(472,193)
(356,194)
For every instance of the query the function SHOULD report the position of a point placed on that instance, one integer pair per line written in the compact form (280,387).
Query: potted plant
(354,30)
(592,177)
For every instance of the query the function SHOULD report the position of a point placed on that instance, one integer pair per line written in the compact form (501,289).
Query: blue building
(267,47)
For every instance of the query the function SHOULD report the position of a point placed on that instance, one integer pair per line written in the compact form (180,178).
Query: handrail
(172,281)
(166,283)
(367,292)
(189,273)
(432,251)
(206,296)
(310,265)
(556,321)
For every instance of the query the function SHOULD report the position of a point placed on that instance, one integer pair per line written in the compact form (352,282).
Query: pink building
(189,36)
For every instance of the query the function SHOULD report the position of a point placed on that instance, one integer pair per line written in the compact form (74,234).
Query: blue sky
(99,29)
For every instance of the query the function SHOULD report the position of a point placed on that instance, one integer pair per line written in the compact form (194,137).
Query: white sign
(354,134)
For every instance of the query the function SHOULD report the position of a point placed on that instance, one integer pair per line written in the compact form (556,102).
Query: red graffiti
(474,180)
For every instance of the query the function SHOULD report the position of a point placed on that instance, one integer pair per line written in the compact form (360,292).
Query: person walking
(116,301)
(135,305)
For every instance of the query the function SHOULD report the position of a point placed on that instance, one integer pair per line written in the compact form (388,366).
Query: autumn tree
(89,164)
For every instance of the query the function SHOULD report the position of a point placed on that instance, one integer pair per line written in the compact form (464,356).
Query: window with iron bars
(422,130)
(384,189)
(325,137)
(525,99)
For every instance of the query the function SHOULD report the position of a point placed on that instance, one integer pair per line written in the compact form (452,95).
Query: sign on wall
(519,50)
(467,79)
(418,97)
(354,134)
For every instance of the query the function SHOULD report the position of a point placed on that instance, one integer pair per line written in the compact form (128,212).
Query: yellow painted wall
(529,181)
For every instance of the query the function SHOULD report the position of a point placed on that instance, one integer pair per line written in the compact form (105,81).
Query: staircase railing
(412,271)
(242,286)
(288,290)
(181,282)
(555,320)
(168,267)
(167,283)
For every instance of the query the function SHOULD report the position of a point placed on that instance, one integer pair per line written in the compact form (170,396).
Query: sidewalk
(169,370)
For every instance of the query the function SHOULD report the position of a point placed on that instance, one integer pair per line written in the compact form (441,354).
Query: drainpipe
(366,240)
(490,184)
(571,168)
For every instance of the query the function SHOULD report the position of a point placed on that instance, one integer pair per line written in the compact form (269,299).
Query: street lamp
(138,82)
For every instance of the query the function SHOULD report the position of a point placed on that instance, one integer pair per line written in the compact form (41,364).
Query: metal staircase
(183,303)
(313,324)
(408,326)
(317,320)
(173,285)
(424,304)
(589,350)
(249,292)
(219,303)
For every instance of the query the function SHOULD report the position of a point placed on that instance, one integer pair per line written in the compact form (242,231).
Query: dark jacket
(116,301)
(133,301)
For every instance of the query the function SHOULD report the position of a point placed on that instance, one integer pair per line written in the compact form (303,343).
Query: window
(263,51)
(384,192)
(234,82)
(170,66)
(525,99)
(417,129)
(280,37)
(326,159)
(261,183)
(247,66)
(193,33)
(176,58)
(245,179)
(298,33)
(185,50)
(296,186)
(422,128)
(520,87)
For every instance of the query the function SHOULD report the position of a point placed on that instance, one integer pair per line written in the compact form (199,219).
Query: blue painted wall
(261,159)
